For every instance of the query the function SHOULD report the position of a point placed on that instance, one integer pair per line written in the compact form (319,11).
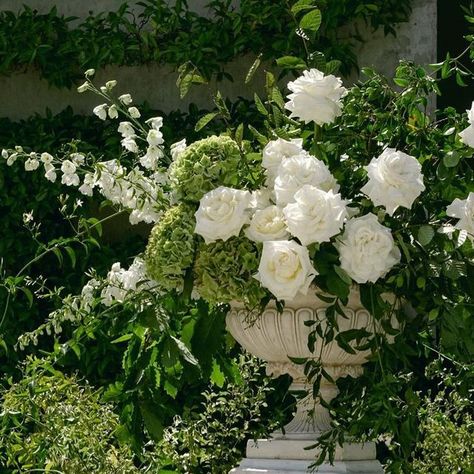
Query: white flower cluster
(120,282)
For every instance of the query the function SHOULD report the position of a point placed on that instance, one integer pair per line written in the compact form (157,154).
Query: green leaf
(185,352)
(204,120)
(239,134)
(28,294)
(311,21)
(291,62)
(343,275)
(425,234)
(259,104)
(301,5)
(217,376)
(72,255)
(125,337)
(170,389)
(152,421)
(253,69)
(451,159)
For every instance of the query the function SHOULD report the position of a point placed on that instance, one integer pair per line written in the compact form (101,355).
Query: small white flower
(83,87)
(79,203)
(367,250)
(222,213)
(177,148)
(150,160)
(31,164)
(68,167)
(155,122)
(77,158)
(130,144)
(46,158)
(87,186)
(4,153)
(89,72)
(11,159)
(101,111)
(315,97)
(267,224)
(316,215)
(154,137)
(27,217)
(126,130)
(395,180)
(126,99)
(50,172)
(275,152)
(70,179)
(134,112)
(110,84)
(464,211)
(113,112)
(296,171)
(19,149)
(285,269)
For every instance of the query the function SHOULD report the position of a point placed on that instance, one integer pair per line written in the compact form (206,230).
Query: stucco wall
(23,94)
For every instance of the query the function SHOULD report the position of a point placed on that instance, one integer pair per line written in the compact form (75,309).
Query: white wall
(23,94)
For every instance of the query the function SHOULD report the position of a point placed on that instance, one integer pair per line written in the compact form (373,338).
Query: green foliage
(205,165)
(176,35)
(447,428)
(224,272)
(171,247)
(211,440)
(53,422)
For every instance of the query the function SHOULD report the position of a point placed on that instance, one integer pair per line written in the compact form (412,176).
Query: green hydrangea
(224,272)
(205,165)
(170,248)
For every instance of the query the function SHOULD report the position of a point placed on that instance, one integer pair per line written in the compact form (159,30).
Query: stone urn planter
(274,338)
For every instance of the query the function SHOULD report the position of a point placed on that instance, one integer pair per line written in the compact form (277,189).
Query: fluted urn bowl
(277,337)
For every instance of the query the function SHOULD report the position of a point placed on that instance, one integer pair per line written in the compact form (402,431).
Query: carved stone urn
(274,337)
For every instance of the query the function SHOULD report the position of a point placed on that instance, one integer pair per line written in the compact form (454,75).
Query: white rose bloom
(285,269)
(154,137)
(261,198)
(315,97)
(316,216)
(395,180)
(267,224)
(130,144)
(31,164)
(275,152)
(101,111)
(222,213)
(367,250)
(126,99)
(126,130)
(134,112)
(295,172)
(113,112)
(467,135)
(177,148)
(464,211)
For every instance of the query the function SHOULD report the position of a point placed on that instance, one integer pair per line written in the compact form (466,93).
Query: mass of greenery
(154,389)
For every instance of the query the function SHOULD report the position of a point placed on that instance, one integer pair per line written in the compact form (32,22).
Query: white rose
(222,213)
(367,250)
(316,216)
(295,172)
(275,152)
(267,224)
(395,180)
(261,198)
(467,135)
(464,211)
(285,269)
(101,111)
(315,97)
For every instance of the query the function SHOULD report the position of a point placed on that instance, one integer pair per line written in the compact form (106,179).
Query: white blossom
(275,152)
(31,164)
(316,215)
(464,211)
(126,99)
(46,158)
(154,137)
(222,213)
(130,144)
(101,111)
(367,249)
(296,171)
(113,112)
(285,269)
(177,148)
(126,130)
(315,97)
(155,122)
(267,224)
(134,112)
(395,180)
(467,135)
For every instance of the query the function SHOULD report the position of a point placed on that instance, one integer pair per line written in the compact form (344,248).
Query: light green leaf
(311,21)
(204,120)
(425,235)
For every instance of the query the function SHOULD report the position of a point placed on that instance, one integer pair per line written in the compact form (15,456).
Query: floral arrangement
(233,224)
